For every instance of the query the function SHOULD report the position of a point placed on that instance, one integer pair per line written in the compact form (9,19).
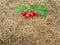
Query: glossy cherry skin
(27,16)
(31,14)
(35,13)
(24,13)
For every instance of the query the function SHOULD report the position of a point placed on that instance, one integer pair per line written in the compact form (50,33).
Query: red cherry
(31,14)
(27,16)
(24,13)
(35,13)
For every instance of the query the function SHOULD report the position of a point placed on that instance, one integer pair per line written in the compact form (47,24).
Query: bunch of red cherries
(30,14)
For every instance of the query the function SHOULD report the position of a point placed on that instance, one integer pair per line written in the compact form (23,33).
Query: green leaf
(21,8)
(33,7)
(42,10)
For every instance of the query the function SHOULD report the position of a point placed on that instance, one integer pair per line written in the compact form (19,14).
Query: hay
(16,30)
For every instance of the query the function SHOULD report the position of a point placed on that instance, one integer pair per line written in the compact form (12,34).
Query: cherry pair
(30,14)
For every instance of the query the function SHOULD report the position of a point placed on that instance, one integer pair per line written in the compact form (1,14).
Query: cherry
(27,16)
(31,14)
(24,13)
(35,13)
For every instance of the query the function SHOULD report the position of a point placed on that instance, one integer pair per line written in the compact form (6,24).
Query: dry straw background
(16,30)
